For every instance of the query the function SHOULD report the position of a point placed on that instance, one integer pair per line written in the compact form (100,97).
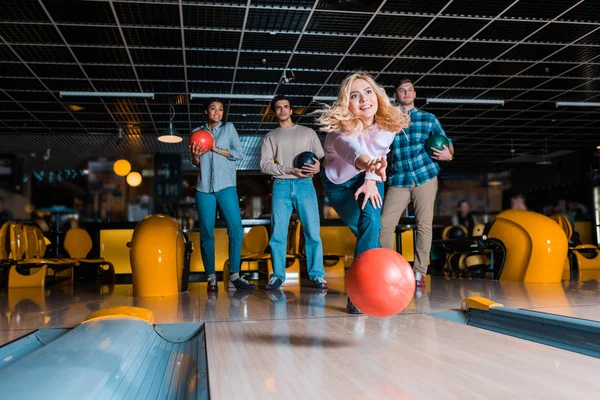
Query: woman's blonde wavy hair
(338,118)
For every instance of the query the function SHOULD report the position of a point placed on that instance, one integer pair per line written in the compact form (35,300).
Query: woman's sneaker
(352,308)
(212,284)
(320,283)
(240,283)
(274,283)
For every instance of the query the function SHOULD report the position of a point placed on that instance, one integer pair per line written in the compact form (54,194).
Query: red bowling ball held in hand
(203,138)
(380,283)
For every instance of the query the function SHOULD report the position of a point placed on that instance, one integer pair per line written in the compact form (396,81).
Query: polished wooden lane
(66,307)
(300,342)
(405,357)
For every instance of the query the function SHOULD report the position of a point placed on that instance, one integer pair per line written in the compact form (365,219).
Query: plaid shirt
(408,161)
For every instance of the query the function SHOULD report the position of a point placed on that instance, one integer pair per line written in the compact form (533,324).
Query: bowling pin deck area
(300,343)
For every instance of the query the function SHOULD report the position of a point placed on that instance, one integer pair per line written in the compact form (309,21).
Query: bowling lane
(590,312)
(27,309)
(407,356)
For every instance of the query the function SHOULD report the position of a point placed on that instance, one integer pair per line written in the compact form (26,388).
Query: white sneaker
(419,279)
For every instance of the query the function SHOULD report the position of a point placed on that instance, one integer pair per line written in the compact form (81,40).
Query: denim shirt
(217,172)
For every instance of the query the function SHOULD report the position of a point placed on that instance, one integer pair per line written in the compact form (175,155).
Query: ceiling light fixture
(465,101)
(75,107)
(107,94)
(545,160)
(576,104)
(171,135)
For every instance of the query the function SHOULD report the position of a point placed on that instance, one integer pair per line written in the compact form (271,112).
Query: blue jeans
(299,194)
(364,224)
(207,211)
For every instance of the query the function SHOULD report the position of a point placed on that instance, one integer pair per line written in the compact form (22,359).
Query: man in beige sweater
(292,188)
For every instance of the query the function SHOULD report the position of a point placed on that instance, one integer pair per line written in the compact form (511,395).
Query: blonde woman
(360,127)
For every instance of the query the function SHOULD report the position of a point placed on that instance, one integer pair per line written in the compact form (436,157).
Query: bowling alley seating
(475,256)
(527,247)
(583,261)
(466,263)
(5,256)
(26,249)
(256,257)
(254,244)
(334,239)
(78,244)
(160,257)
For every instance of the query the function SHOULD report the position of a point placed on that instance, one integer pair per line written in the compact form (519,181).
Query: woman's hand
(197,150)
(369,189)
(377,166)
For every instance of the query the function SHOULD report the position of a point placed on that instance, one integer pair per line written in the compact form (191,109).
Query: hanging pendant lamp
(171,135)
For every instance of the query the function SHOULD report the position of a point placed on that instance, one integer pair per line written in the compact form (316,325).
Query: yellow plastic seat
(4,243)
(334,239)
(78,244)
(254,245)
(478,229)
(19,251)
(583,262)
(159,255)
(536,247)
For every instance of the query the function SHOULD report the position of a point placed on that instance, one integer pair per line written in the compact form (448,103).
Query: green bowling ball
(437,142)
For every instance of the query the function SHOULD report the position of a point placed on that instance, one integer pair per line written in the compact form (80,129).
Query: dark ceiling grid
(39,80)
(75,58)
(515,45)
(287,65)
(9,127)
(133,68)
(515,75)
(185,74)
(92,40)
(522,93)
(441,10)
(467,41)
(365,27)
(237,56)
(26,110)
(543,60)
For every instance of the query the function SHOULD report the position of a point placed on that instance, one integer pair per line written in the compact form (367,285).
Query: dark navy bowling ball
(306,157)
(437,142)
(456,232)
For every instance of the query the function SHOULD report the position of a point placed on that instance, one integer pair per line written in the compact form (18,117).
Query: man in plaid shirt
(413,176)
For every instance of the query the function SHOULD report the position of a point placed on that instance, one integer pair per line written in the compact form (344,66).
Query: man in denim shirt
(292,188)
(413,176)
